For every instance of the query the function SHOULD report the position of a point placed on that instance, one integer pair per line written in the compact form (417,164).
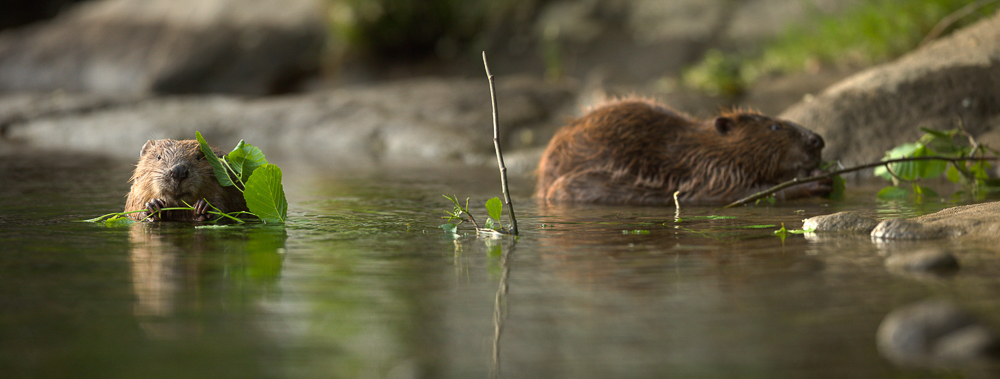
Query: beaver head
(773,150)
(174,171)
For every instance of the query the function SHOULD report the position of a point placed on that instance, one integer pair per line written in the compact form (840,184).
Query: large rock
(250,47)
(401,123)
(955,78)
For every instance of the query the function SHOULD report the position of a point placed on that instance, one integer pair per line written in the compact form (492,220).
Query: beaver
(171,172)
(636,151)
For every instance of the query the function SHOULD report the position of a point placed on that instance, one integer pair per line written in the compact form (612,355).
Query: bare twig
(797,181)
(496,145)
(952,18)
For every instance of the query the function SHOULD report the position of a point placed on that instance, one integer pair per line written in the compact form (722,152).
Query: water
(362,284)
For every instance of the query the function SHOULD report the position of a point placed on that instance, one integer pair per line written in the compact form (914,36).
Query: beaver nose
(179,172)
(815,141)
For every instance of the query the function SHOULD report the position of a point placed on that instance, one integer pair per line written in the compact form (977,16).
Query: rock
(956,77)
(976,221)
(248,47)
(926,261)
(902,229)
(402,123)
(934,331)
(840,221)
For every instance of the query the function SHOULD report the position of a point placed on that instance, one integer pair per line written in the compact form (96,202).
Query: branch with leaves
(934,154)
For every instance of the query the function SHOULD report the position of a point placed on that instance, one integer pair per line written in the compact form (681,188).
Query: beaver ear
(149,144)
(724,124)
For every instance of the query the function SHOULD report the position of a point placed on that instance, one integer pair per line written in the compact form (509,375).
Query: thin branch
(496,146)
(829,175)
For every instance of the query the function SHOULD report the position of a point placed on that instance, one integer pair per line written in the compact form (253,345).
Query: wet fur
(635,151)
(152,180)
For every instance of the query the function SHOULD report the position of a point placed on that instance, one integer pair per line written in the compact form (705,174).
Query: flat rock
(951,79)
(248,47)
(404,123)
(840,222)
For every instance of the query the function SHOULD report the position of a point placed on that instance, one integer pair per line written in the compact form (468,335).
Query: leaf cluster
(972,174)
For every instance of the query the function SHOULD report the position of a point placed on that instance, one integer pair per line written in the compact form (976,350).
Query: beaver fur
(171,172)
(636,151)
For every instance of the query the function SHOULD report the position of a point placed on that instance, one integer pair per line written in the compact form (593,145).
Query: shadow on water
(362,283)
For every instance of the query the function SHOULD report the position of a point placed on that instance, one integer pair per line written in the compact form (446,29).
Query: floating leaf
(220,170)
(494,207)
(244,159)
(449,228)
(265,195)
(118,220)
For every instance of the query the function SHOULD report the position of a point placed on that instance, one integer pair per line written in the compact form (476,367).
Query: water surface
(361,283)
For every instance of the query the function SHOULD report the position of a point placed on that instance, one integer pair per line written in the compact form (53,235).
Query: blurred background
(696,55)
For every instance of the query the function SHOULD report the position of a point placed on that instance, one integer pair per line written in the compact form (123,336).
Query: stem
(496,145)
(797,181)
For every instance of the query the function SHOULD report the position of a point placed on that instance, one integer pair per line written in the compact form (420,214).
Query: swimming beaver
(636,151)
(170,171)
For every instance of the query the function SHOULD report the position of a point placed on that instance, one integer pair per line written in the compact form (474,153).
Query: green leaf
(901,169)
(244,159)
(494,207)
(265,195)
(838,188)
(953,174)
(220,170)
(890,193)
(118,220)
(449,228)
(490,224)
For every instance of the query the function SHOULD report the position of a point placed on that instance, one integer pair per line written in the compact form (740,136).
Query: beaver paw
(818,188)
(201,211)
(153,209)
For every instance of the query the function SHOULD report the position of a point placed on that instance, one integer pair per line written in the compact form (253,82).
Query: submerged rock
(935,332)
(925,261)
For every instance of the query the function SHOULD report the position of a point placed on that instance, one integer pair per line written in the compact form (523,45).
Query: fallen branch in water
(831,174)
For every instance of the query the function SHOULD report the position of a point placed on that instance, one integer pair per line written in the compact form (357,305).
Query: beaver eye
(159,157)
(775,127)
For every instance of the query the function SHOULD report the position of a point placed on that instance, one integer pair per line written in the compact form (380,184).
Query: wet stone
(933,332)
(840,222)
(902,229)
(925,261)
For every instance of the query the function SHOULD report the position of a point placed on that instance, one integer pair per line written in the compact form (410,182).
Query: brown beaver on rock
(171,172)
(639,152)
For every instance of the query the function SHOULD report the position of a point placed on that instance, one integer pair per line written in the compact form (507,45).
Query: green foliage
(494,208)
(265,195)
(872,31)
(973,175)
(217,166)
(244,159)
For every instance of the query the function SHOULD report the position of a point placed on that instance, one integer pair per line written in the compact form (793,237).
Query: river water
(361,283)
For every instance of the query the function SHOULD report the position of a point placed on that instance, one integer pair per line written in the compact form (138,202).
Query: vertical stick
(496,146)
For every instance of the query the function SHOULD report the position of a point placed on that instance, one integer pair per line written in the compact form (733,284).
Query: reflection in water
(172,263)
